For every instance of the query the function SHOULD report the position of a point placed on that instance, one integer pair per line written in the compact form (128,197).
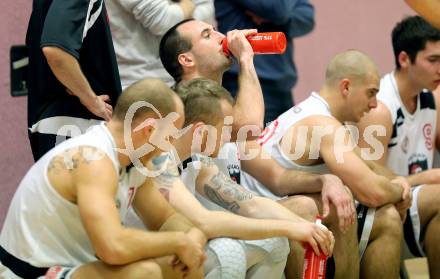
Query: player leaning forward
(68,209)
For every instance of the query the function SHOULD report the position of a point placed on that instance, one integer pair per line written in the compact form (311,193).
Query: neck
(334,102)
(117,131)
(407,90)
(183,148)
(218,77)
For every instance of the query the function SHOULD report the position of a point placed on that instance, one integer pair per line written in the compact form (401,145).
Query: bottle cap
(318,219)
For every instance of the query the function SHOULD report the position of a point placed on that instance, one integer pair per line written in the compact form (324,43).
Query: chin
(228,62)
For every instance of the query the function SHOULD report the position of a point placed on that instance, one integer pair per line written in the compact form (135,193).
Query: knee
(277,248)
(388,221)
(145,269)
(227,257)
(428,200)
(303,206)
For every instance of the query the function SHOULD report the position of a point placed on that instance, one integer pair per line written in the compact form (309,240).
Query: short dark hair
(201,98)
(410,35)
(171,46)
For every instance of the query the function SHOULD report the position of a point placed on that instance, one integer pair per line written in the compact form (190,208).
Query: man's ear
(186,59)
(148,130)
(146,126)
(344,87)
(404,60)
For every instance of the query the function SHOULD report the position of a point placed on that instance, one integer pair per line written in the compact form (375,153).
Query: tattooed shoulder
(72,158)
(169,172)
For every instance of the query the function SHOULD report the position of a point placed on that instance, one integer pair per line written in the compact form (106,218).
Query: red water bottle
(263,43)
(314,265)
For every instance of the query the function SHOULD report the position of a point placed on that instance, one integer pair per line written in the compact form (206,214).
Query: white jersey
(271,137)
(44,229)
(227,162)
(234,256)
(411,147)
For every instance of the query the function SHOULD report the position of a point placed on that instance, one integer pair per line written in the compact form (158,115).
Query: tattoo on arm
(229,188)
(216,198)
(225,192)
(169,173)
(72,158)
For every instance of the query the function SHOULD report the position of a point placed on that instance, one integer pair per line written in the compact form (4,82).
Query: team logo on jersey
(427,133)
(417,163)
(234,172)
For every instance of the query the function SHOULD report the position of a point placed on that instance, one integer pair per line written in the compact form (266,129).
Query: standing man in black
(74,79)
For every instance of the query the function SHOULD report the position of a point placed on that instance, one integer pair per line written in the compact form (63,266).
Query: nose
(373,103)
(219,36)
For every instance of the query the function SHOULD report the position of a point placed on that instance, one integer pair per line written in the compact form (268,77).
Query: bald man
(65,218)
(312,137)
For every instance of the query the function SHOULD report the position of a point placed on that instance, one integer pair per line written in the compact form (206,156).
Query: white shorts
(236,259)
(412,228)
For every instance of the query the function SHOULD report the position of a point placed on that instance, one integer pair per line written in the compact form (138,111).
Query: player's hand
(403,182)
(191,255)
(99,106)
(335,192)
(238,45)
(406,202)
(318,236)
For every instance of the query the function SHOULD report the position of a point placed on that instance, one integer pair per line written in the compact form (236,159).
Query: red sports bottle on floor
(263,43)
(314,265)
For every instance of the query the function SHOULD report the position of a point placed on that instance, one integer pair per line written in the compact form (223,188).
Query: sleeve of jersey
(204,10)
(65,24)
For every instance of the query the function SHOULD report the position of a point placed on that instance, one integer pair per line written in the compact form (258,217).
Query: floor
(417,268)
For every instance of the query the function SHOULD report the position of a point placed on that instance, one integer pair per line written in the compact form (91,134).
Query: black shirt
(80,27)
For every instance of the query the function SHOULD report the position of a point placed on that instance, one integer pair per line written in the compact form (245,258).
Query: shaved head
(351,64)
(151,90)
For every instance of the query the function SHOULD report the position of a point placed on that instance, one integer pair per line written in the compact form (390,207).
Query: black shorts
(365,219)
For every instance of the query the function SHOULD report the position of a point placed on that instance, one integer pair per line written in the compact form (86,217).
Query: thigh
(428,203)
(141,269)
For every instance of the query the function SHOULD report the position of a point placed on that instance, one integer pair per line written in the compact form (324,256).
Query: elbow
(172,15)
(111,253)
(278,190)
(50,53)
(373,200)
(277,184)
(250,209)
(309,25)
(53,56)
